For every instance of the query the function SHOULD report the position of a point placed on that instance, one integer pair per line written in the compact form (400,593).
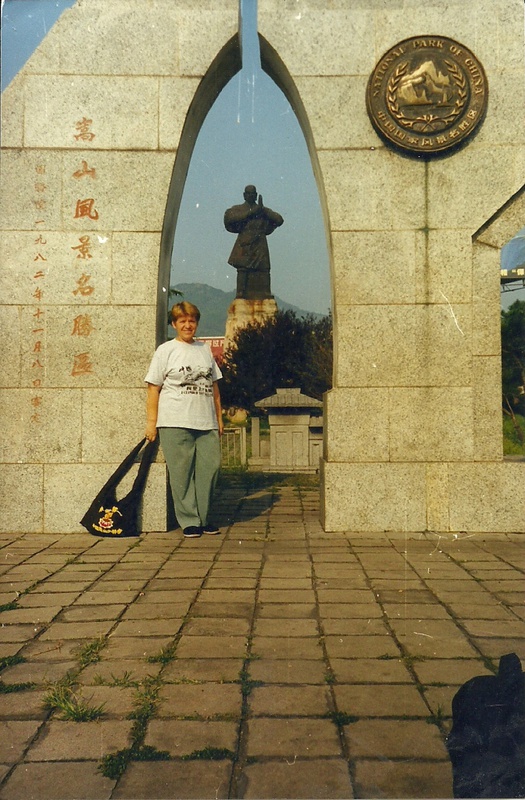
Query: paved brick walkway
(273,661)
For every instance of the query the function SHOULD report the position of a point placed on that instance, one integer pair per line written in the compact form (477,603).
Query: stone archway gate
(91,129)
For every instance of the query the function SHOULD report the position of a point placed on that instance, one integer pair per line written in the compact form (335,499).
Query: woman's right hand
(151,431)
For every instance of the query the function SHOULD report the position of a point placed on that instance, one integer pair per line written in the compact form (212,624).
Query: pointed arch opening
(226,64)
(301,254)
(258,127)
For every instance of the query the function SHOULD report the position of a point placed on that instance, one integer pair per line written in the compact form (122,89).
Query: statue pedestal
(241,312)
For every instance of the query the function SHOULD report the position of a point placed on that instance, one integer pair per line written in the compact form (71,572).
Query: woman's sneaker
(192,532)
(210,529)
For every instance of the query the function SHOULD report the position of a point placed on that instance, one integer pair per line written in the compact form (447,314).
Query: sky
(250,135)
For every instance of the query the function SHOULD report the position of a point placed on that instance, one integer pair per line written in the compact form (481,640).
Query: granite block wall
(90,131)
(414,419)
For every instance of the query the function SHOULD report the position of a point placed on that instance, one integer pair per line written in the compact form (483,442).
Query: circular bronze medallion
(427,95)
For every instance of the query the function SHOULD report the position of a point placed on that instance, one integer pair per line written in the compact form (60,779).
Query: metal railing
(233,447)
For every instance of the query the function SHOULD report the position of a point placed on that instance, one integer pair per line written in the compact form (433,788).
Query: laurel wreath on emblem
(428,121)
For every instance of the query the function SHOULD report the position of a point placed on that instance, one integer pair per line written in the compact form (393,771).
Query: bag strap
(145,463)
(123,469)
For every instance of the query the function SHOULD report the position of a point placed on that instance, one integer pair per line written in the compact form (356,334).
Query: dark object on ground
(192,532)
(107,516)
(487,741)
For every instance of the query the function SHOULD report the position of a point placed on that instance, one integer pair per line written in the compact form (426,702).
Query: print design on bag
(105,523)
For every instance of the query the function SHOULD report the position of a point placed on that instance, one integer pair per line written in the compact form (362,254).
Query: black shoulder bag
(108,516)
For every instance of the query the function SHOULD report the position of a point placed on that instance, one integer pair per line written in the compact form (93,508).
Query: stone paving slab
(92,613)
(285,661)
(208,669)
(74,630)
(9,649)
(399,700)
(35,616)
(287,671)
(16,736)
(212,646)
(204,700)
(494,648)
(351,610)
(278,610)
(8,596)
(183,737)
(22,705)
(104,597)
(205,626)
(57,781)
(403,779)
(120,647)
(116,701)
(286,627)
(191,780)
(39,599)
(18,633)
(399,738)
(293,647)
(292,737)
(154,611)
(376,646)
(453,672)
(304,701)
(149,627)
(370,670)
(64,741)
(354,627)
(318,778)
(38,672)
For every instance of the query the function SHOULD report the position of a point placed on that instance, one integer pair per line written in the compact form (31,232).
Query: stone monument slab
(132,124)
(132,81)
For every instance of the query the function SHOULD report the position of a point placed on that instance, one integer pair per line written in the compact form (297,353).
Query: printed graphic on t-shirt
(196,381)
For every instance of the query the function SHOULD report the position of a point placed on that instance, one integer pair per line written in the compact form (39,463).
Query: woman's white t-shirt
(186,373)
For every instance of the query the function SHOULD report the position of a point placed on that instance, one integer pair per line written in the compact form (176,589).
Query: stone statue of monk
(250,256)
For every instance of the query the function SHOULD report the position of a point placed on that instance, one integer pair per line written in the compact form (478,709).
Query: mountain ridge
(214,303)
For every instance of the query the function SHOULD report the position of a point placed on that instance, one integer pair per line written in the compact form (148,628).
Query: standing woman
(184,404)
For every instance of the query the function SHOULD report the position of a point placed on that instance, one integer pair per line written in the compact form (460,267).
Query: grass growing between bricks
(340,718)
(8,606)
(90,653)
(210,754)
(146,702)
(10,661)
(113,765)
(61,696)
(438,717)
(12,605)
(73,707)
(125,681)
(8,688)
(247,683)
(165,656)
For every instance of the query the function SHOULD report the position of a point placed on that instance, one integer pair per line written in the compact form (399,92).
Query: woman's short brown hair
(184,309)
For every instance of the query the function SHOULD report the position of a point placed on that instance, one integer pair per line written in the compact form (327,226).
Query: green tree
(513,361)
(283,351)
